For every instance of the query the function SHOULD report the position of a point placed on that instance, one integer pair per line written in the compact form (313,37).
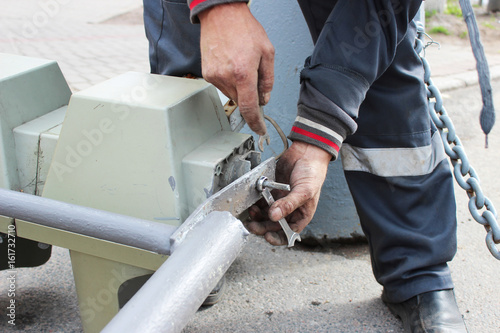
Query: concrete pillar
(435,5)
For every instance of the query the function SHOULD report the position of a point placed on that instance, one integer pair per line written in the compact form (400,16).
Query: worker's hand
(304,167)
(238,58)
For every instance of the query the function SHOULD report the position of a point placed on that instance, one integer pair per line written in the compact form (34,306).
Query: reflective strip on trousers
(394,162)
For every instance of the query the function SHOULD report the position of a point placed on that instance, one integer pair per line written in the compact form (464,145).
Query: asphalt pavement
(269,289)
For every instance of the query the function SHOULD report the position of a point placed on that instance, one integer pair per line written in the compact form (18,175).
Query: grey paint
(336,217)
(143,234)
(171,181)
(178,288)
(29,88)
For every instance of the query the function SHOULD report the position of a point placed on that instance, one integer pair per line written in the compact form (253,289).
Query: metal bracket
(234,198)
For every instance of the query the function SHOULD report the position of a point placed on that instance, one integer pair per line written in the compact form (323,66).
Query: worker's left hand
(238,58)
(304,167)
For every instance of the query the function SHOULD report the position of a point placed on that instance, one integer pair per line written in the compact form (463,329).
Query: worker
(361,89)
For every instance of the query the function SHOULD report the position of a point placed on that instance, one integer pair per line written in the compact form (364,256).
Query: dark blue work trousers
(394,163)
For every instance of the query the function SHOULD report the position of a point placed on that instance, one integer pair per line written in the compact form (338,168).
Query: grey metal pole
(175,292)
(122,229)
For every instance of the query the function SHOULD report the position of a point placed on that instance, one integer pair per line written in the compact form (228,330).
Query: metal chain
(480,207)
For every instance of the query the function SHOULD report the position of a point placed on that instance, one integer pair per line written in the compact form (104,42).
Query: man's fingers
(212,75)
(276,238)
(266,75)
(256,228)
(286,205)
(232,58)
(227,91)
(260,228)
(248,102)
(245,93)
(257,213)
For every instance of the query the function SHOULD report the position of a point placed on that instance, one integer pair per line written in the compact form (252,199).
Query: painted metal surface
(151,236)
(98,283)
(91,246)
(234,198)
(47,146)
(122,149)
(182,283)
(29,88)
(204,168)
(123,142)
(31,158)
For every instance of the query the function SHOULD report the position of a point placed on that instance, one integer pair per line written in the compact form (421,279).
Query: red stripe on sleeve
(315,137)
(195,3)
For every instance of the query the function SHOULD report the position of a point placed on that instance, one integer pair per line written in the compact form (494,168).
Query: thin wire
(280,133)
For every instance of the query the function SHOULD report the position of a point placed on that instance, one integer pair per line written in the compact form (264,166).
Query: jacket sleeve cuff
(320,122)
(197,6)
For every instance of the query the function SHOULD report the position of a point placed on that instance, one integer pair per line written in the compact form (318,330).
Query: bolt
(264,182)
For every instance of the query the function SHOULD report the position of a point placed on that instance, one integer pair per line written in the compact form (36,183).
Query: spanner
(263,185)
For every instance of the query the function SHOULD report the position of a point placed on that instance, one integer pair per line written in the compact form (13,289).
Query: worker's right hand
(238,58)
(304,167)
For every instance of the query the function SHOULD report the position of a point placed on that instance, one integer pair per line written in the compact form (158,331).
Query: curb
(463,80)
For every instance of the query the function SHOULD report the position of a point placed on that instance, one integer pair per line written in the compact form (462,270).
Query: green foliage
(439,30)
(453,8)
(489,25)
(429,14)
(463,34)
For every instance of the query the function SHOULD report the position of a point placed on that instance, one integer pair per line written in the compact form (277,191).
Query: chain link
(480,207)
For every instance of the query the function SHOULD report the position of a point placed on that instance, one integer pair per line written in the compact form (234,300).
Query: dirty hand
(304,167)
(238,58)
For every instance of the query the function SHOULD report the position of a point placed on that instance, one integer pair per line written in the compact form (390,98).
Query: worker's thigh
(174,42)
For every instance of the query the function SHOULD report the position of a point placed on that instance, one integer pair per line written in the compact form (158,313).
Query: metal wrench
(263,185)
